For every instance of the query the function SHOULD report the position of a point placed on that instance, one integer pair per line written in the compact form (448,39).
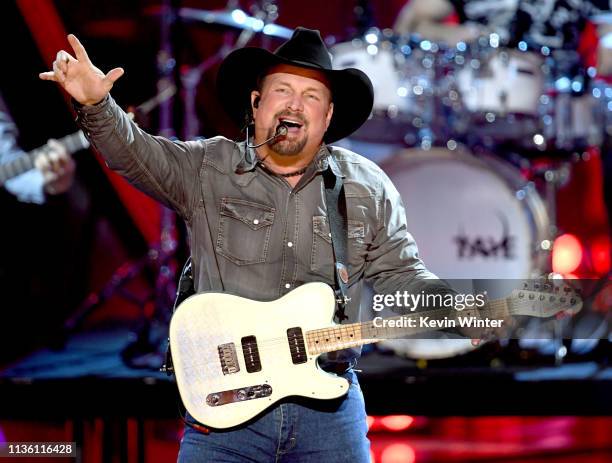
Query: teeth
(291,123)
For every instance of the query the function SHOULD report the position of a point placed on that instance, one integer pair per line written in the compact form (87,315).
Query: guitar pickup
(228,358)
(297,347)
(238,395)
(251,354)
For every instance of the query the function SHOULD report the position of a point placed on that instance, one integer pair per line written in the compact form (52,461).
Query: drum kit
(477,138)
(464,124)
(459,130)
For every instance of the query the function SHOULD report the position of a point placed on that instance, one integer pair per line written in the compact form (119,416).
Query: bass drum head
(472,218)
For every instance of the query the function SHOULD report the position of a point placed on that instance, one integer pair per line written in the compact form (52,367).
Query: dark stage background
(52,257)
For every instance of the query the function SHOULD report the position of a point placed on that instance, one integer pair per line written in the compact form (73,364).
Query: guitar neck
(358,334)
(73,143)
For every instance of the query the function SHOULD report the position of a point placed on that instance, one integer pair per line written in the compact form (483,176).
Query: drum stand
(555,175)
(145,350)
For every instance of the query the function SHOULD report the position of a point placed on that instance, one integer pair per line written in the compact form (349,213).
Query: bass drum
(472,218)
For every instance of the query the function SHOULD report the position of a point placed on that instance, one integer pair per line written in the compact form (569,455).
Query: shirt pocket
(244,231)
(322,255)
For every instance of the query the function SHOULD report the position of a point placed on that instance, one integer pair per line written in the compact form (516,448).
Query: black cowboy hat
(352,91)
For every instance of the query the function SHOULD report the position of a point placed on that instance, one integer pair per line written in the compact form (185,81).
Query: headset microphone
(281,131)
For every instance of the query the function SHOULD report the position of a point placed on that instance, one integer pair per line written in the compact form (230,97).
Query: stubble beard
(286,147)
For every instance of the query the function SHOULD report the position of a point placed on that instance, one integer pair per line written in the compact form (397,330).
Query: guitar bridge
(228,358)
(238,395)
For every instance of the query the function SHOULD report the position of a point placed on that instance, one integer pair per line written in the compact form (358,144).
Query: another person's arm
(54,171)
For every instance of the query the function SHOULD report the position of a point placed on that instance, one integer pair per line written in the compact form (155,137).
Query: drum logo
(486,246)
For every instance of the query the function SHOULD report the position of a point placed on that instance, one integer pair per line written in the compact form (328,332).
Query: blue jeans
(296,430)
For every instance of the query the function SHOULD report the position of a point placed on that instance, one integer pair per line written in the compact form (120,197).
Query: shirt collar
(247,160)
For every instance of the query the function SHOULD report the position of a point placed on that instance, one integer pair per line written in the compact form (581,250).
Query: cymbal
(237,19)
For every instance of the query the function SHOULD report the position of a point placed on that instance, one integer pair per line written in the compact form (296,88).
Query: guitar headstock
(543,299)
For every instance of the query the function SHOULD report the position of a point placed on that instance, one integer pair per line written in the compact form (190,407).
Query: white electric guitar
(234,357)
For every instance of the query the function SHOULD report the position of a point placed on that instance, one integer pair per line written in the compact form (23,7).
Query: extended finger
(113,75)
(79,49)
(49,75)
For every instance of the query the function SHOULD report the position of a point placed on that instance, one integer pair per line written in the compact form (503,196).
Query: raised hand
(79,77)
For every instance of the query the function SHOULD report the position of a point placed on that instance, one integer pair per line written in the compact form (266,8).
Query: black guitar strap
(185,288)
(338,226)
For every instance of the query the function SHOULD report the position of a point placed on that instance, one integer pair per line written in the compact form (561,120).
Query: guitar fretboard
(531,303)
(357,334)
(73,143)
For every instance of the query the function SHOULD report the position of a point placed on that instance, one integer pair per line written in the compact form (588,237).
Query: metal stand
(160,259)
(555,176)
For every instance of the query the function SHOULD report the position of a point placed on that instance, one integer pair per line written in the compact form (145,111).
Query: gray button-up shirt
(250,232)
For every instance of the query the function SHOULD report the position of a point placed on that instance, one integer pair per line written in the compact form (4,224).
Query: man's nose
(296,104)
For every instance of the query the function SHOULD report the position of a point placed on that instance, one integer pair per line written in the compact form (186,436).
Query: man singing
(257,216)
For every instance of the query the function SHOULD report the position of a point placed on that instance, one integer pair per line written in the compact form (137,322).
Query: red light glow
(397,422)
(370,421)
(600,252)
(567,254)
(398,453)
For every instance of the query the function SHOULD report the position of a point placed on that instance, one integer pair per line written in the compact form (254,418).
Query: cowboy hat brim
(352,91)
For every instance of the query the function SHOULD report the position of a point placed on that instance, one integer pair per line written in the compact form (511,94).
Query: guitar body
(234,357)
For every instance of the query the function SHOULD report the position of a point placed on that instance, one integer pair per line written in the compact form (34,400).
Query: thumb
(113,75)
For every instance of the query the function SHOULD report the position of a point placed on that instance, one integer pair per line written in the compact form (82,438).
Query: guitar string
(366,325)
(273,343)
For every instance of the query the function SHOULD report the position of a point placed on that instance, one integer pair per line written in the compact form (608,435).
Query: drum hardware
(410,79)
(262,22)
(523,104)
(233,18)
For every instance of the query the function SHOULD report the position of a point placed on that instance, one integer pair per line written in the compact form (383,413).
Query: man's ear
(328,117)
(255,98)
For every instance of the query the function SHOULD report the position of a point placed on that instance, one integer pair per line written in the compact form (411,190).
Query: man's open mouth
(292,124)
